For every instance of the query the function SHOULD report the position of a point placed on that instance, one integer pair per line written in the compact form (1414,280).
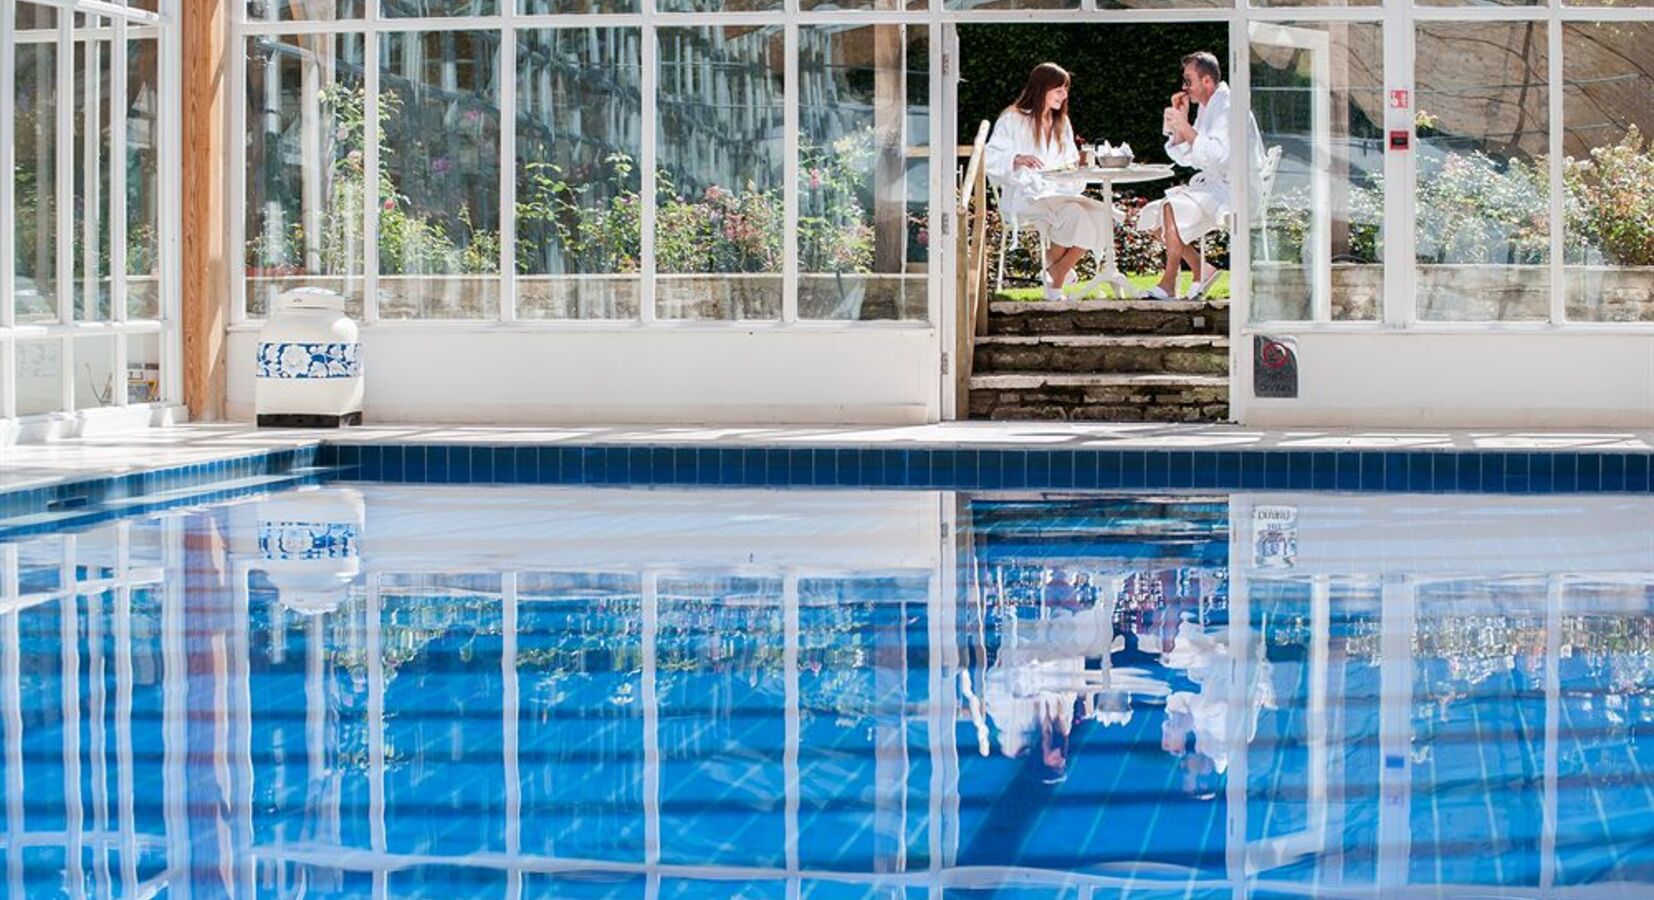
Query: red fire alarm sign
(1398,140)
(1399,98)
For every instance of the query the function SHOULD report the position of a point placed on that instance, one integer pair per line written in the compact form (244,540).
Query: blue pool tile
(413,463)
(1372,471)
(525,466)
(1062,468)
(635,464)
(1349,471)
(1516,472)
(550,464)
(1637,472)
(1254,468)
(1590,472)
(1564,472)
(1613,472)
(1493,472)
(1203,469)
(1227,469)
(663,465)
(391,462)
(1421,471)
(1013,468)
(988,474)
(1133,469)
(849,467)
(1086,463)
(944,468)
(916,468)
(1469,472)
(1107,469)
(436,465)
(1541,472)
(1182,468)
(683,465)
(824,467)
(1039,468)
(1395,473)
(1157,467)
(1301,475)
(1444,471)
(1277,470)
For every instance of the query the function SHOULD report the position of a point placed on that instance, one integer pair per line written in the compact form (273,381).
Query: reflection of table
(1107,270)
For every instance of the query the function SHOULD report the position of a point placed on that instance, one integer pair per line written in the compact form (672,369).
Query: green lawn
(1220,288)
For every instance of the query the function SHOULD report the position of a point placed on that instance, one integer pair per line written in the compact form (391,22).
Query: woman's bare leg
(1066,259)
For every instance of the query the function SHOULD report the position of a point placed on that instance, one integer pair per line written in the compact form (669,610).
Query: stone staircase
(1103,360)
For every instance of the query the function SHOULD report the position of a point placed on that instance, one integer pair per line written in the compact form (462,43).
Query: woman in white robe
(1033,135)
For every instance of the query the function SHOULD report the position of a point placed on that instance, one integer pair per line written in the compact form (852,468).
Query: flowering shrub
(1610,203)
(718,230)
(1474,209)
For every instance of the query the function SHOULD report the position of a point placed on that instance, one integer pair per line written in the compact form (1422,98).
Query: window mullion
(647,163)
(1400,302)
(370,166)
(1558,306)
(789,177)
(508,169)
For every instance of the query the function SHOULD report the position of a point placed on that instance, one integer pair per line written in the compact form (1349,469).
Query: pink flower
(815,179)
(924,237)
(390,203)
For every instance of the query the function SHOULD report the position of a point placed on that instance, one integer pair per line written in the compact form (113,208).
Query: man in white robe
(1190,211)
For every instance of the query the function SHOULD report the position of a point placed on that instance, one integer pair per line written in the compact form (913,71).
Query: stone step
(1182,354)
(1109,317)
(1113,397)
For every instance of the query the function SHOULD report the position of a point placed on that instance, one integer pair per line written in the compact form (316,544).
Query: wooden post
(205,227)
(889,143)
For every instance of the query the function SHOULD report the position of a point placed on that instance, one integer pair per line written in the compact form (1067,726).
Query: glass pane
(1281,3)
(288,10)
(305,167)
(1483,192)
(1480,2)
(95,372)
(1608,168)
(143,180)
(719,188)
(1317,233)
(143,368)
(417,9)
(545,7)
(579,139)
(35,181)
(864,173)
(719,6)
(1012,4)
(872,5)
(439,184)
(93,65)
(39,377)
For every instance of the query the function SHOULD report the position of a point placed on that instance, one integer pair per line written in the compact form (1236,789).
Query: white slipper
(1052,293)
(1155,293)
(1204,284)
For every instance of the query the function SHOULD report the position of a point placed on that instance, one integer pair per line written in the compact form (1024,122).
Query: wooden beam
(204,231)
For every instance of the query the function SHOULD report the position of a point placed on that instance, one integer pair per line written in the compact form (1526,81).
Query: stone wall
(1450,293)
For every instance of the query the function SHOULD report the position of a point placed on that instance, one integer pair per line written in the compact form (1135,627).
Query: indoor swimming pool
(399,690)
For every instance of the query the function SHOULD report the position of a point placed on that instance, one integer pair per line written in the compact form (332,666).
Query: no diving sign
(1274,367)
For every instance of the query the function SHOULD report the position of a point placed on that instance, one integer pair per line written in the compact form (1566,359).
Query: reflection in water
(426,691)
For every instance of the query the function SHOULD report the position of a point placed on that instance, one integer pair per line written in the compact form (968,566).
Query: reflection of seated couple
(1039,687)
(1034,135)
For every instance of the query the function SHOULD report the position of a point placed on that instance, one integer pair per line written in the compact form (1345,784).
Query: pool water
(360,690)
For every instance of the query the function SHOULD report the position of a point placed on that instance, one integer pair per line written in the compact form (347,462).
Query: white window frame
(372,25)
(121,24)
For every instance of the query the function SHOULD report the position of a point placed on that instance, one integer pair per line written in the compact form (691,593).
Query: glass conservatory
(751,211)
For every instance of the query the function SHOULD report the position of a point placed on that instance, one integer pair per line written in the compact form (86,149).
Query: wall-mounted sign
(1399,99)
(1399,140)
(1274,367)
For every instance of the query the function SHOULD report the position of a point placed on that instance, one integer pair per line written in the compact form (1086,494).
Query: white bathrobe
(1199,207)
(1028,199)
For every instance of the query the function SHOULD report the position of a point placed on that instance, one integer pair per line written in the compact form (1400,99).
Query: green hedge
(1123,73)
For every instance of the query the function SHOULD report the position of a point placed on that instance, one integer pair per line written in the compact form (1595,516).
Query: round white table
(1108,272)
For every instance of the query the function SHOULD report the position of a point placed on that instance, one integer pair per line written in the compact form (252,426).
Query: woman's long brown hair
(1048,127)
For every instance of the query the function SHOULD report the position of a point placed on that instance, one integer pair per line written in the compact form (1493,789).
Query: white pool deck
(33,465)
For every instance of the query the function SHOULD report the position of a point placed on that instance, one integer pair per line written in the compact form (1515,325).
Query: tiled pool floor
(525,691)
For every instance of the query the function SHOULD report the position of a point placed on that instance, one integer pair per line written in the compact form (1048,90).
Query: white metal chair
(1010,230)
(1267,168)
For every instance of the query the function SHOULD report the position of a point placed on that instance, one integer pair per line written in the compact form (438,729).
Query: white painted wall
(464,373)
(1507,379)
